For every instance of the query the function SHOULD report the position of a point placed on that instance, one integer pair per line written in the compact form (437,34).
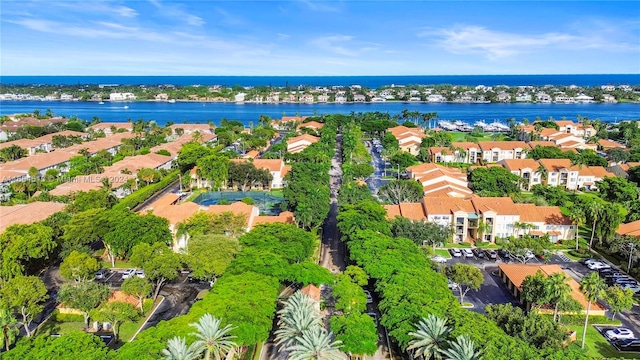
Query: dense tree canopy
(493,181)
(401,191)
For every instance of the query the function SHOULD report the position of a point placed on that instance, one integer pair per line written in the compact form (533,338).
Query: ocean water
(368,81)
(198,112)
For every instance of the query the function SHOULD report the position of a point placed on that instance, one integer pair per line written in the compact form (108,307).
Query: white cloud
(343,45)
(282,36)
(100,7)
(495,45)
(321,6)
(177,11)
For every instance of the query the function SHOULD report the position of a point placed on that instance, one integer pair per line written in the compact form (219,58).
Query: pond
(267,202)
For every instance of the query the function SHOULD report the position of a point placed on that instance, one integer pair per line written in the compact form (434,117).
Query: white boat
(171,101)
(126,106)
(101,103)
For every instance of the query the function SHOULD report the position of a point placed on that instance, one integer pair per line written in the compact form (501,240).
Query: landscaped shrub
(581,253)
(57,316)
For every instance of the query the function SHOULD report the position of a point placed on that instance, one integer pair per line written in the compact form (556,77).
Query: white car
(439,259)
(467,253)
(369,298)
(140,273)
(128,273)
(619,334)
(456,252)
(529,255)
(597,265)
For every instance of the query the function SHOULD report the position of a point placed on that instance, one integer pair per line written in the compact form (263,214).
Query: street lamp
(398,171)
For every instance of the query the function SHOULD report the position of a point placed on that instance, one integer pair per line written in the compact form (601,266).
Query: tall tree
(209,255)
(79,267)
(430,338)
(138,287)
(84,296)
(399,191)
(557,290)
(115,313)
(618,299)
(25,295)
(158,261)
(466,276)
(9,328)
(357,332)
(592,286)
(534,289)
(22,246)
(214,338)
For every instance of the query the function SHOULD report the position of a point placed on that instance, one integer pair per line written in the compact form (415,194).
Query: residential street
(333,250)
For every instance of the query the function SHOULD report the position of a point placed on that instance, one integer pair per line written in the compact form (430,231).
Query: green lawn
(597,346)
(127,330)
(443,252)
(460,136)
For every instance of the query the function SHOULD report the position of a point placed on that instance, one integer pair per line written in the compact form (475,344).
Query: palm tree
(543,173)
(316,344)
(577,217)
(462,348)
(177,349)
(213,339)
(297,316)
(594,208)
(558,289)
(592,286)
(430,337)
(293,324)
(9,327)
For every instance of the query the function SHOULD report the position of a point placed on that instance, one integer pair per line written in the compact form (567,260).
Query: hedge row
(140,195)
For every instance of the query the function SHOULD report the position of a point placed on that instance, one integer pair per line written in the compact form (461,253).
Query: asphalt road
(375,181)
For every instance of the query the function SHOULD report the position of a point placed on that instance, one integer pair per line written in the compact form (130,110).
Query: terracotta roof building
(27,213)
(514,274)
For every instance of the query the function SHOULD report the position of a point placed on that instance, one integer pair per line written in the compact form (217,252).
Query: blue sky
(306,37)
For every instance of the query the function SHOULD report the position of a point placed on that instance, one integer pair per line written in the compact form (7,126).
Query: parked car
(455,252)
(529,255)
(619,334)
(478,253)
(588,260)
(369,297)
(140,273)
(504,253)
(101,274)
(597,265)
(622,281)
(128,273)
(374,316)
(628,344)
(491,254)
(633,287)
(467,253)
(439,259)
(451,284)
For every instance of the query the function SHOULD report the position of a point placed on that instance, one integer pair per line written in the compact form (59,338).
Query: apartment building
(484,219)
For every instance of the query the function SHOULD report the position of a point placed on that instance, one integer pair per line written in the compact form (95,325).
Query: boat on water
(126,106)
(171,101)
(101,103)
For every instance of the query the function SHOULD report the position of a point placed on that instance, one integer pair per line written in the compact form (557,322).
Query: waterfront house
(494,151)
(438,180)
(122,97)
(313,125)
(299,143)
(409,139)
